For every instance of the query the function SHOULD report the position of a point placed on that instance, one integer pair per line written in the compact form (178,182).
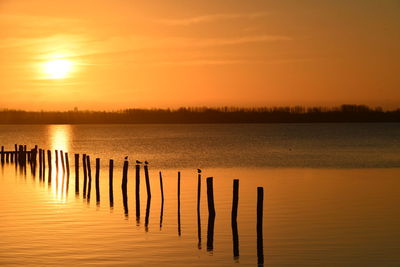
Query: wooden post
(89,176)
(84,175)
(43,162)
(260,245)
(62,161)
(124,187)
(16,154)
(111,177)
(2,154)
(235,201)
(124,184)
(211,214)
(67,163)
(137,191)
(49,160)
(56,153)
(40,163)
(50,167)
(146,174)
(179,203)
(8,157)
(77,174)
(210,196)
(198,209)
(162,200)
(146,219)
(97,180)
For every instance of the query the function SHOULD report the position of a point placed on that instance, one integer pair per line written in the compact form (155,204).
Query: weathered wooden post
(16,154)
(62,161)
(84,175)
(89,171)
(67,163)
(77,174)
(198,209)
(260,207)
(137,191)
(49,160)
(110,182)
(43,162)
(97,180)
(40,163)
(7,157)
(235,201)
(49,163)
(162,200)
(179,203)
(146,219)
(211,214)
(56,153)
(124,187)
(2,154)
(146,174)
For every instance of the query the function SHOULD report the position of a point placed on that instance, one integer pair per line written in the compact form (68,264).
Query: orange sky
(160,53)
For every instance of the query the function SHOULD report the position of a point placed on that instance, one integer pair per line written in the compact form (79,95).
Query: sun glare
(57,69)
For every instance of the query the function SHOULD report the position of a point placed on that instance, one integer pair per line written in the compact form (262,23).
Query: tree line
(294,114)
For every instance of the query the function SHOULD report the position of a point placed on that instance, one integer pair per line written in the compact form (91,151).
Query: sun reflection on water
(60,136)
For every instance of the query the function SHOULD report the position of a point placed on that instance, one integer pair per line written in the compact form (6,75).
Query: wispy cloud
(210,18)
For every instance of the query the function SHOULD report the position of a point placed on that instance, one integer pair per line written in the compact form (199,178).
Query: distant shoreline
(203,115)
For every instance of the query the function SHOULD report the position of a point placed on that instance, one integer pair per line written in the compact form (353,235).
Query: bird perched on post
(146,162)
(198,171)
(126,158)
(138,162)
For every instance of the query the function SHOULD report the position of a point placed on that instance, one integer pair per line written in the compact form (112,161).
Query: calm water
(331,196)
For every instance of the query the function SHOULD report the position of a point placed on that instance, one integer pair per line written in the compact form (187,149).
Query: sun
(58,68)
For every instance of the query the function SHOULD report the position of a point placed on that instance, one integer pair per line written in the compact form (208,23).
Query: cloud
(210,18)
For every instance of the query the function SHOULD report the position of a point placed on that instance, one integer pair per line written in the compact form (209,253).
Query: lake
(331,196)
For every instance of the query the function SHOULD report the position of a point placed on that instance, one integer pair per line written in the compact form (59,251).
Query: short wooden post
(84,175)
(77,174)
(8,157)
(235,201)
(97,180)
(260,245)
(137,190)
(67,163)
(146,174)
(111,177)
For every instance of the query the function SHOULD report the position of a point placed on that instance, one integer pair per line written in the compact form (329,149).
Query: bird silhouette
(126,158)
(146,162)
(198,170)
(138,162)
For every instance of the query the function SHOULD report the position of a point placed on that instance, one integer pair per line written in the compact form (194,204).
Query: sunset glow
(57,69)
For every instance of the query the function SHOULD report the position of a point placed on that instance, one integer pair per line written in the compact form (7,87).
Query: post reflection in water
(146,221)
(60,136)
